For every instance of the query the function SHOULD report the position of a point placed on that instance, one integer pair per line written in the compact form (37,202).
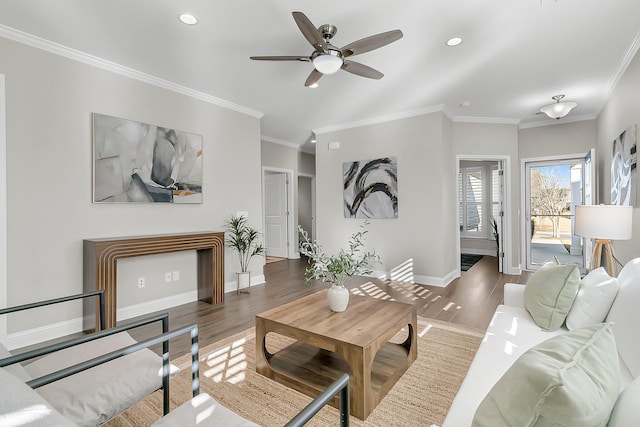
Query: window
(470,198)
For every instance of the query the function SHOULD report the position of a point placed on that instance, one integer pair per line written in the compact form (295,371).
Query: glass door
(552,190)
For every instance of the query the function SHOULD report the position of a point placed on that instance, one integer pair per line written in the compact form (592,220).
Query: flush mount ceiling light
(328,63)
(559,109)
(188,19)
(454,41)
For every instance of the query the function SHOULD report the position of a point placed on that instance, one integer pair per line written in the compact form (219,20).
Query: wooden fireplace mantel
(101,256)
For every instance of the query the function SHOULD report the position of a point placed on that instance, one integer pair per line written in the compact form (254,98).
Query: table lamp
(604,223)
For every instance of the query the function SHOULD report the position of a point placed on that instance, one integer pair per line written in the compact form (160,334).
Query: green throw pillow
(550,292)
(572,380)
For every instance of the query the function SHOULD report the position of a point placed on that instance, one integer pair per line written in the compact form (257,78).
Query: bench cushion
(200,411)
(20,405)
(96,395)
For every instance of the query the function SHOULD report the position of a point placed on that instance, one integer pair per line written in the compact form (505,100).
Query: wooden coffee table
(329,344)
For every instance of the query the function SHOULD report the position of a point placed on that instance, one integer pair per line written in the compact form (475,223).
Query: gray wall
(49,101)
(496,142)
(558,139)
(621,111)
(423,235)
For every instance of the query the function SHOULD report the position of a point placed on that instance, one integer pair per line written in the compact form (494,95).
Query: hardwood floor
(469,300)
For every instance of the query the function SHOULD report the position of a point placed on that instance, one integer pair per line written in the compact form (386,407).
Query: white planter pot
(338,297)
(244,282)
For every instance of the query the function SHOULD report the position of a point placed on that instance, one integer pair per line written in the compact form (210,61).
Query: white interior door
(276,215)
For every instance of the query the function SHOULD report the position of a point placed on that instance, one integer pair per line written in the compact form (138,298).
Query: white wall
(424,232)
(49,101)
(621,111)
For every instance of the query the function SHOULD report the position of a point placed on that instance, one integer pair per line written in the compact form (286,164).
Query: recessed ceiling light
(313,141)
(187,18)
(454,41)
(465,104)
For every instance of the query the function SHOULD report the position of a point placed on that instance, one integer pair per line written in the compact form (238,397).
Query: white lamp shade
(327,63)
(604,222)
(559,109)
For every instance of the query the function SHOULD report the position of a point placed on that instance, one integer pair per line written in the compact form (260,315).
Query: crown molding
(552,122)
(280,142)
(622,68)
(76,55)
(380,119)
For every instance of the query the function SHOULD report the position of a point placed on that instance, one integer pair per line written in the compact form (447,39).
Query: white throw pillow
(625,412)
(596,293)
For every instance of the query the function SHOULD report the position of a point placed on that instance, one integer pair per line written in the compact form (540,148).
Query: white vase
(338,297)
(244,282)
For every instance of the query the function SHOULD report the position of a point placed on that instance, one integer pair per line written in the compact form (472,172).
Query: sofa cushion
(203,410)
(20,405)
(625,412)
(549,294)
(96,395)
(596,293)
(16,369)
(625,313)
(511,332)
(569,380)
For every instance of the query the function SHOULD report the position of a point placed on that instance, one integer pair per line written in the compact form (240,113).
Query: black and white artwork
(140,163)
(624,171)
(371,188)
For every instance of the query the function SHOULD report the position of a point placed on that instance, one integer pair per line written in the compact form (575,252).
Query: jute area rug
(421,397)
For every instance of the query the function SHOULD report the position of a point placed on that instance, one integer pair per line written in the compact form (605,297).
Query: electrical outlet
(176,275)
(167,276)
(141,282)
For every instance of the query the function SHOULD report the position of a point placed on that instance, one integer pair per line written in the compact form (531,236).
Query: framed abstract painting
(371,188)
(624,170)
(142,163)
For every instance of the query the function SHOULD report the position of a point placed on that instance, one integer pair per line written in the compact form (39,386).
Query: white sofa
(513,331)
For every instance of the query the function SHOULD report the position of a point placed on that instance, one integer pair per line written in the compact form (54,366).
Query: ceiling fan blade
(370,43)
(361,70)
(309,31)
(313,78)
(281,58)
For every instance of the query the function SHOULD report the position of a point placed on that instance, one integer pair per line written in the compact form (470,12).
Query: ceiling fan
(326,58)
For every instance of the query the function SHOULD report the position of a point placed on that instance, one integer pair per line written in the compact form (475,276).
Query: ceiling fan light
(327,63)
(559,109)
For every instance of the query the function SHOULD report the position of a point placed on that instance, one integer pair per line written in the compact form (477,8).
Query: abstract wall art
(142,163)
(371,188)
(624,171)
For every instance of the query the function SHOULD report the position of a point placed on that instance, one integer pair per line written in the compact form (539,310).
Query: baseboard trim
(419,279)
(136,310)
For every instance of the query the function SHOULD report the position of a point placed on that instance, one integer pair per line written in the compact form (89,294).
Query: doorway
(552,188)
(482,207)
(306,204)
(277,209)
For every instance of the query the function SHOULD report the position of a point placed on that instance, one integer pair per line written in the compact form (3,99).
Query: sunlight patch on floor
(227,364)
(372,290)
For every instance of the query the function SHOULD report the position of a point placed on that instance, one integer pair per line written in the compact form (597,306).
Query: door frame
(523,196)
(292,221)
(506,205)
(3,210)
(313,202)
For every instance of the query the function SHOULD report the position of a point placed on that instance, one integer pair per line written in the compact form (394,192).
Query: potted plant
(245,240)
(337,269)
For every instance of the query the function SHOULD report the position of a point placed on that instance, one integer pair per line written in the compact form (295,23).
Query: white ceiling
(515,56)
